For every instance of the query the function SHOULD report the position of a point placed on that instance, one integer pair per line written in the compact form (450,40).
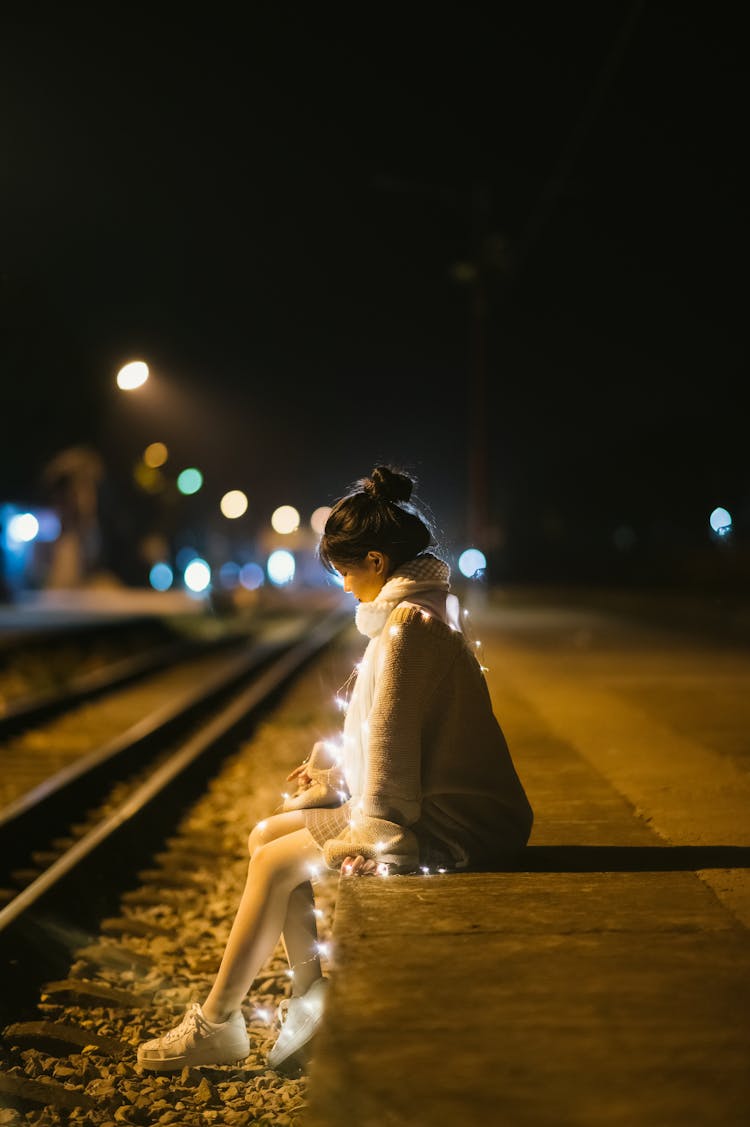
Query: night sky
(274,207)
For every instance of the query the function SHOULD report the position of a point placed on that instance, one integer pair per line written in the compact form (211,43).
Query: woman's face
(365,579)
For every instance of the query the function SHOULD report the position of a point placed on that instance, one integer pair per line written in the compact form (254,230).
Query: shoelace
(193,1020)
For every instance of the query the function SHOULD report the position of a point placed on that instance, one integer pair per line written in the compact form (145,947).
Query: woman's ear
(379,562)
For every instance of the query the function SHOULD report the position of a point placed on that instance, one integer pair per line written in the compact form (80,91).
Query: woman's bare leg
(277,868)
(300,932)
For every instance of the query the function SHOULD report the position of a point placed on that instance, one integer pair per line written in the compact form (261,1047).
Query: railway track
(56,834)
(55,672)
(73,1004)
(129,932)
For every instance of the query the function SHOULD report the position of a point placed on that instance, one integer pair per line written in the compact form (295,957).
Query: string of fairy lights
(335,746)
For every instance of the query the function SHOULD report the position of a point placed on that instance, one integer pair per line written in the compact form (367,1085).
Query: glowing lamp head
(132,375)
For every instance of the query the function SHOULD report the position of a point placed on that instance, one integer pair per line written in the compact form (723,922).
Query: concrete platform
(607,980)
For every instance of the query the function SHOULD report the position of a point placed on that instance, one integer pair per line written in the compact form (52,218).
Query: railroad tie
(83,991)
(58,1039)
(21,1091)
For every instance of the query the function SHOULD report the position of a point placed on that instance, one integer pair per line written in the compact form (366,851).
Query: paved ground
(607,983)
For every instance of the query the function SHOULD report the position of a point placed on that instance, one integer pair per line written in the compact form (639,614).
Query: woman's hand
(358,867)
(304,779)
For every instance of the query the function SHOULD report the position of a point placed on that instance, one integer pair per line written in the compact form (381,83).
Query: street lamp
(132,375)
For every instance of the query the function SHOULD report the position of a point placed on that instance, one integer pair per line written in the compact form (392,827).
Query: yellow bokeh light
(155,455)
(285,519)
(150,480)
(319,518)
(233,504)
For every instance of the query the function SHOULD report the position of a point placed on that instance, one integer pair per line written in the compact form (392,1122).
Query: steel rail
(110,676)
(137,733)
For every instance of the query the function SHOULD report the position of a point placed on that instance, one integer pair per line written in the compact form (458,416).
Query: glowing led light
(161,576)
(322,949)
(341,704)
(285,519)
(425,870)
(281,567)
(720,521)
(189,481)
(264,1015)
(471,563)
(233,504)
(289,973)
(23,528)
(319,518)
(132,375)
(382,869)
(251,576)
(379,846)
(197,575)
(314,872)
(393,631)
(155,455)
(318,913)
(262,825)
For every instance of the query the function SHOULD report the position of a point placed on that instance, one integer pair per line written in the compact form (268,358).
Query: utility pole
(486,264)
(487,267)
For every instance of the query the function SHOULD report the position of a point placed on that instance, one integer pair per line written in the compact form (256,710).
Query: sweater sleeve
(412,662)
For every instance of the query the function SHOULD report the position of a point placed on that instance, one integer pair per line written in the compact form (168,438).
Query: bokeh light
(252,576)
(233,504)
(280,567)
(197,575)
(132,375)
(190,480)
(149,480)
(229,574)
(161,576)
(23,528)
(185,555)
(285,519)
(49,526)
(720,521)
(471,562)
(155,455)
(319,518)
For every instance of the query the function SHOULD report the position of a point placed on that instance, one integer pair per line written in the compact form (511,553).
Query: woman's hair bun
(389,484)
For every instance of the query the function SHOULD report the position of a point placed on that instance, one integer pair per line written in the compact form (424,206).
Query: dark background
(274,207)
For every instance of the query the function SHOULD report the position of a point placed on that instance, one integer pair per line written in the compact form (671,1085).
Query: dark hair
(375,516)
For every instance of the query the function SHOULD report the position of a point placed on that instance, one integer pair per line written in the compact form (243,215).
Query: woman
(422,776)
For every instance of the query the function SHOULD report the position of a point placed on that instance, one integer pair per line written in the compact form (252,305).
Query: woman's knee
(257,837)
(278,825)
(290,859)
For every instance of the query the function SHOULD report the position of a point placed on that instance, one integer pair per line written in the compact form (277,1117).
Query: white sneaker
(300,1016)
(196,1041)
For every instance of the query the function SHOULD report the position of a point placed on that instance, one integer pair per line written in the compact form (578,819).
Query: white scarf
(423,580)
(422,574)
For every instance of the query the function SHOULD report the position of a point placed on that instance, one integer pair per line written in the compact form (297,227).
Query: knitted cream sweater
(435,766)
